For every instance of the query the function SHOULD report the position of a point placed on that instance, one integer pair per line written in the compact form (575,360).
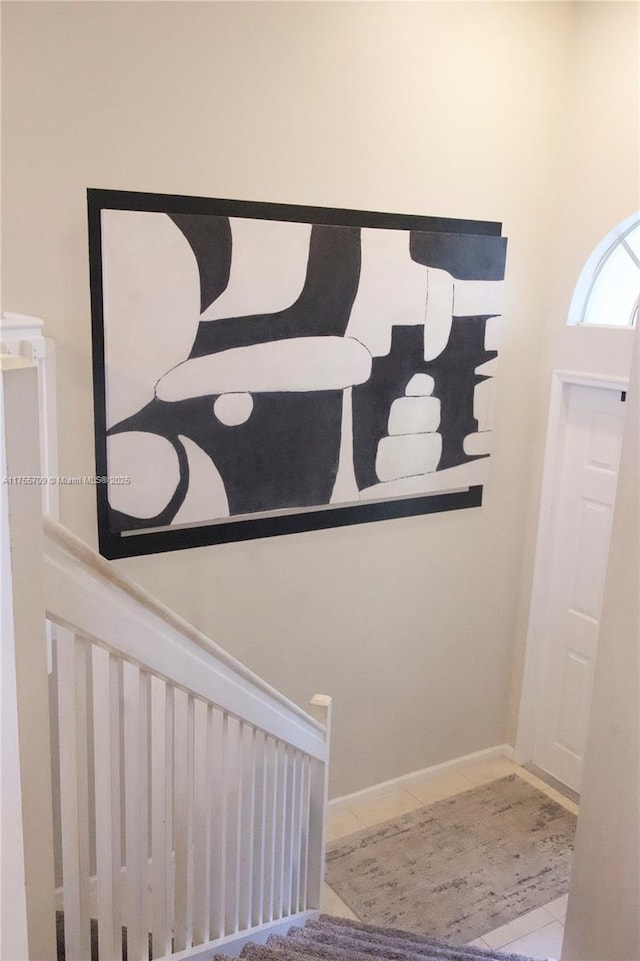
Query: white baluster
(250,831)
(320,709)
(183,819)
(298,850)
(106,739)
(161,908)
(232,800)
(282,830)
(210,814)
(292,813)
(201,826)
(219,808)
(276,830)
(74,792)
(304,873)
(260,822)
(240,805)
(136,700)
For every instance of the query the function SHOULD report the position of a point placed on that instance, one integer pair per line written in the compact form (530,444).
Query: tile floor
(537,934)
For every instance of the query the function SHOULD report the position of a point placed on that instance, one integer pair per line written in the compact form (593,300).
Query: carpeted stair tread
(340,939)
(362,947)
(323,947)
(259,952)
(375,931)
(380,940)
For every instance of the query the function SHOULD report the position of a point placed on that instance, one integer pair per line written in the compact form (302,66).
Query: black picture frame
(116,544)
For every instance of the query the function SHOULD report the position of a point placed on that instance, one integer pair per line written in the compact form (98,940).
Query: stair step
(340,939)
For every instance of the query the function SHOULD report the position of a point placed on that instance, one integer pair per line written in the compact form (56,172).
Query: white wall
(599,173)
(598,187)
(455,109)
(601,187)
(603,917)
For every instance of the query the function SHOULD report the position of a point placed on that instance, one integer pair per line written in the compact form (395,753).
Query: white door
(581,514)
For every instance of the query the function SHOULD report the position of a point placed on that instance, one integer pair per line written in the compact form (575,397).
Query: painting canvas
(264,368)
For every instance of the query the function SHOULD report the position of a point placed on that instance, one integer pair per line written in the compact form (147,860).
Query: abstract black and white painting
(264,368)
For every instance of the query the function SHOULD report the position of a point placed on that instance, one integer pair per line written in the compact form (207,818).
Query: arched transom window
(608,291)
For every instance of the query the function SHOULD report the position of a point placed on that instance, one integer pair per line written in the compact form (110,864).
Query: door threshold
(553,782)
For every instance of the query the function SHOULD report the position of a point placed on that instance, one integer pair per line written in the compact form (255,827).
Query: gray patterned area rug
(459,867)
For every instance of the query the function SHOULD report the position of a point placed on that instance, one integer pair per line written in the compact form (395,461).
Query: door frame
(561,383)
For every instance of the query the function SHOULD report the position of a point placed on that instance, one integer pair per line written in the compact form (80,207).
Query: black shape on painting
(289,449)
(464,256)
(210,241)
(454,374)
(455,380)
(322,309)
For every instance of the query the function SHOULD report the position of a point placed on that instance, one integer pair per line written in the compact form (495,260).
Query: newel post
(22,336)
(320,710)
(28,908)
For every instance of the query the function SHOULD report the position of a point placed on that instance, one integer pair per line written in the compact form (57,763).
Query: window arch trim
(591,275)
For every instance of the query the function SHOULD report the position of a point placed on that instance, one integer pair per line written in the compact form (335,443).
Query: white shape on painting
(345,488)
(233,409)
(297,364)
(489,368)
(439,313)
(151,463)
(268,268)
(483,402)
(492,333)
(206,498)
(476,297)
(414,415)
(407,455)
(478,443)
(151,293)
(392,289)
(420,385)
(453,478)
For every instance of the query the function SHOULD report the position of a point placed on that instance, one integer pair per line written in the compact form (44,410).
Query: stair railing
(169,802)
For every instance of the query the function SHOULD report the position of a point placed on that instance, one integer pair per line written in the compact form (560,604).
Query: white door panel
(589,446)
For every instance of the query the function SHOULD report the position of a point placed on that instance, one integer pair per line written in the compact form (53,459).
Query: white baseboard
(405,780)
(517,757)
